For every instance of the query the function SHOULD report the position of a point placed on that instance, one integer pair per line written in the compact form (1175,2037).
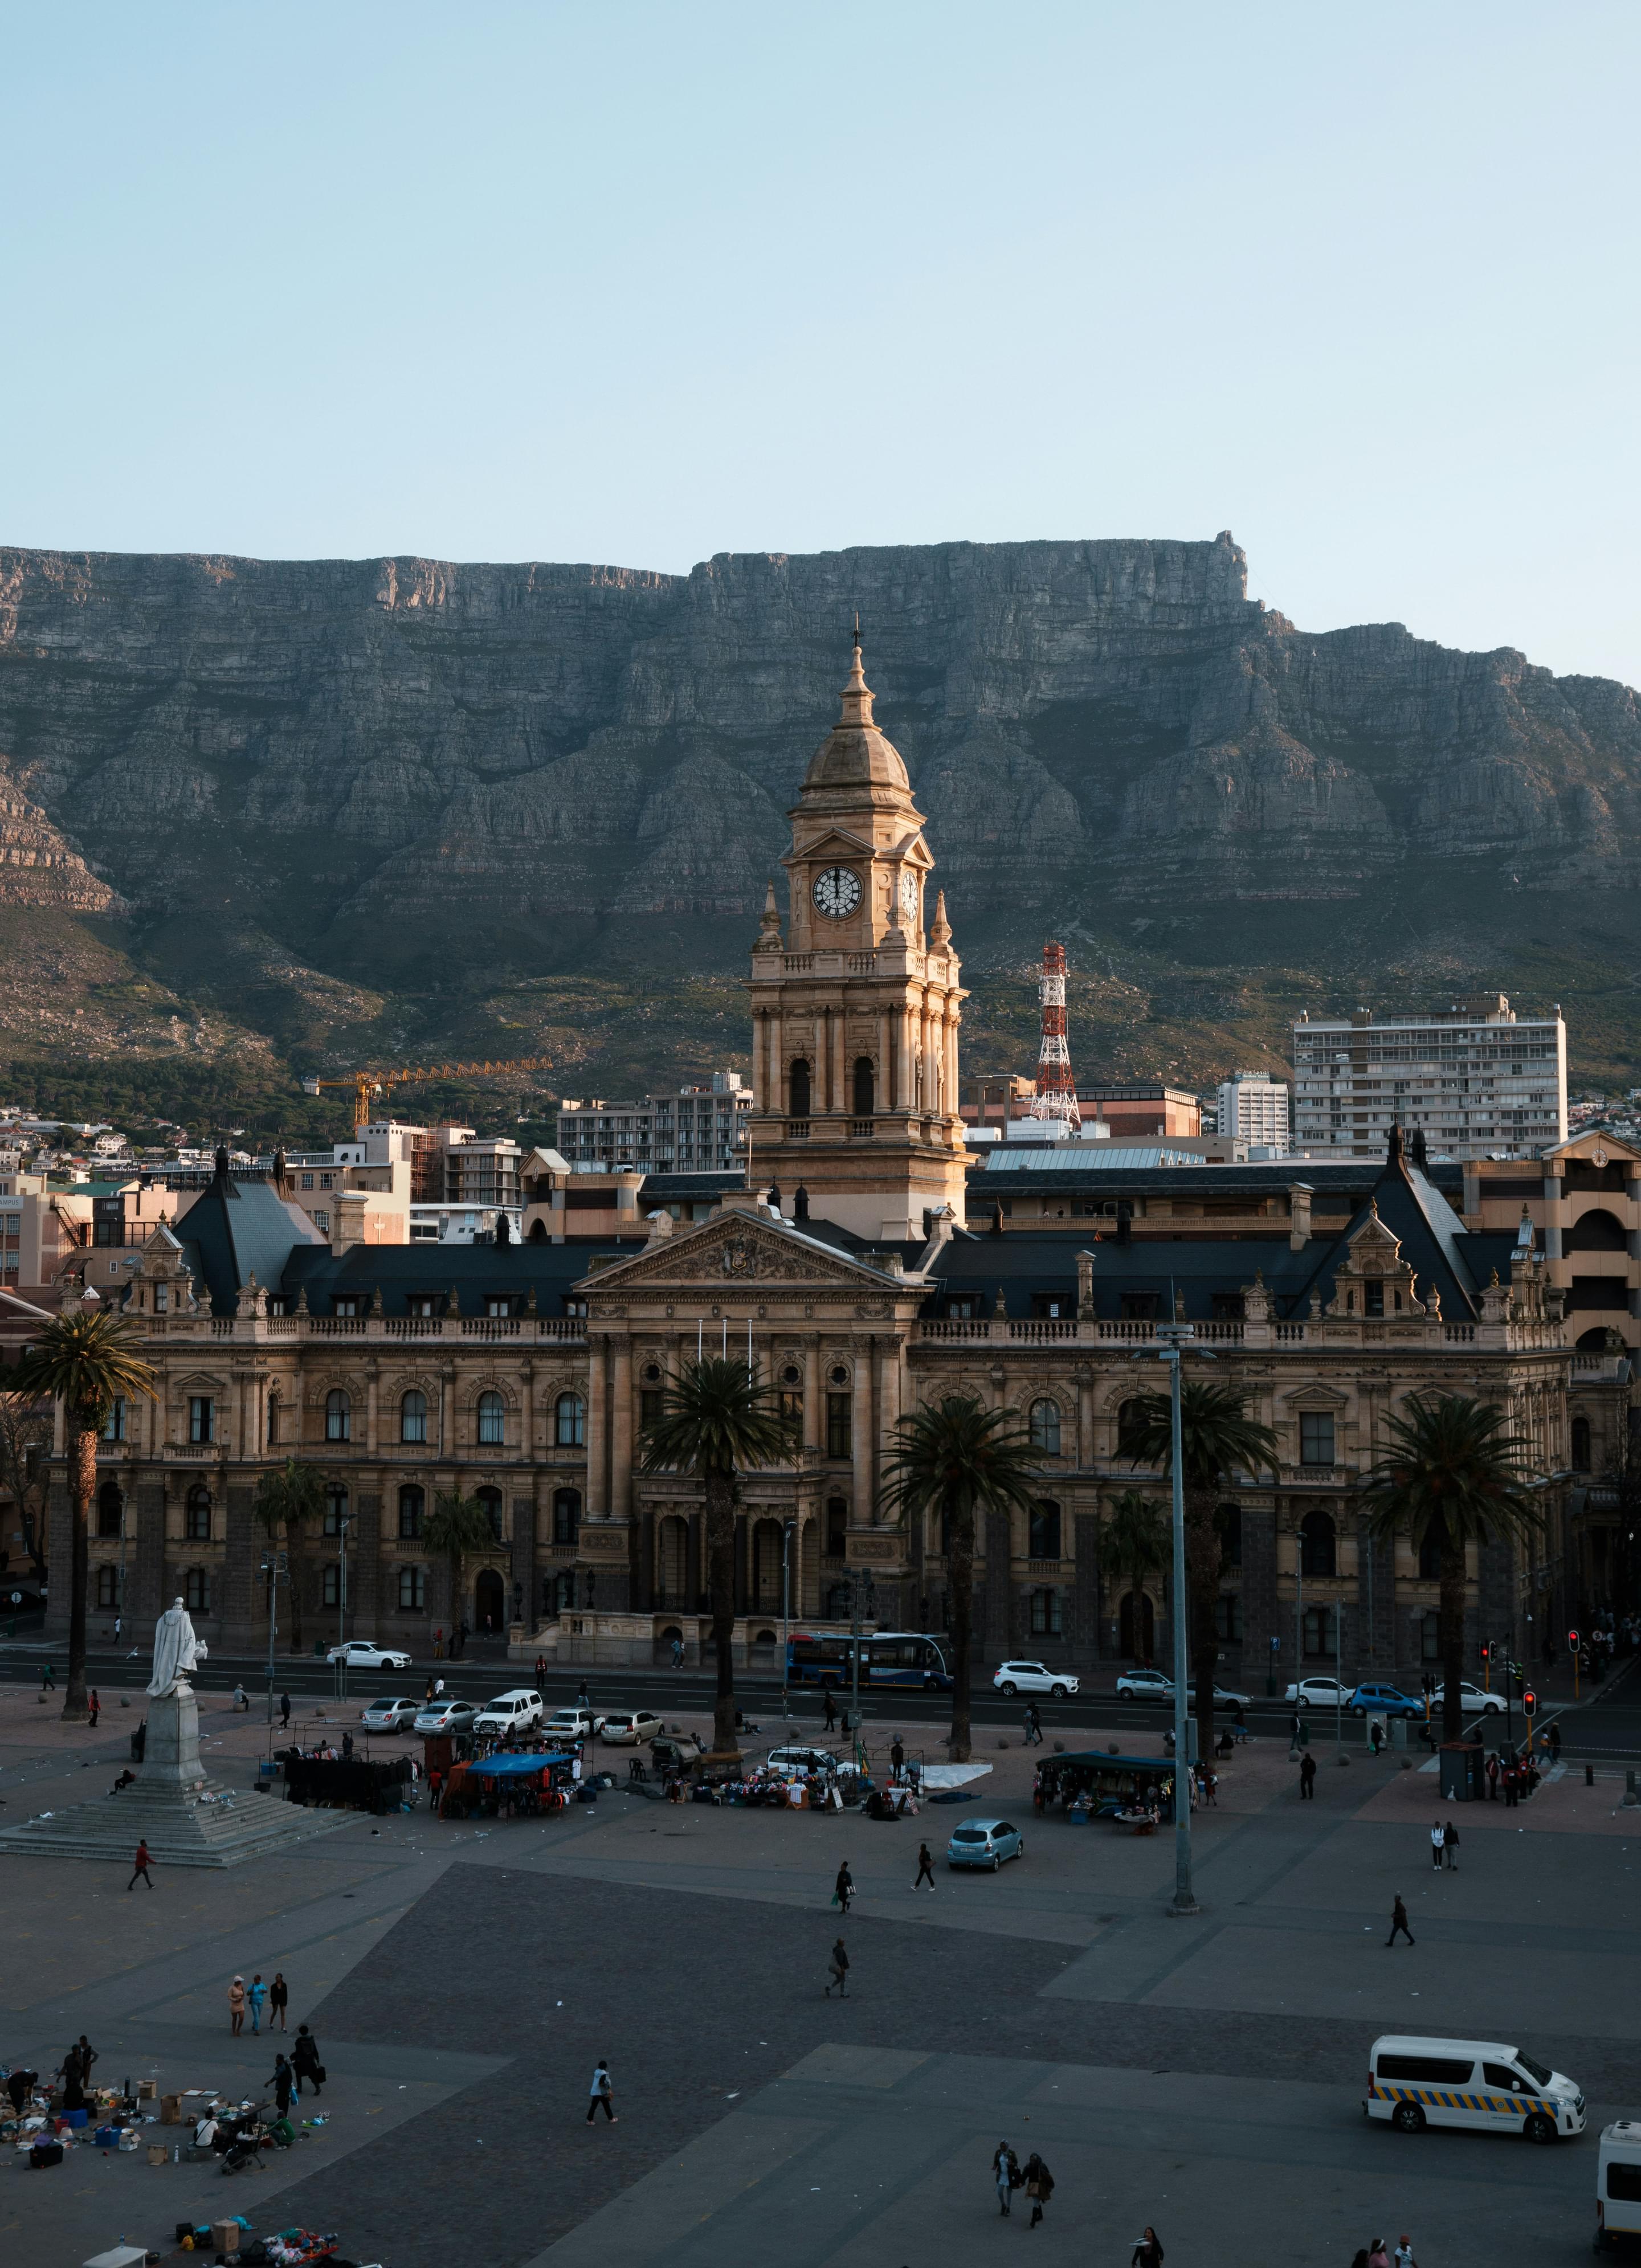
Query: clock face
(909,893)
(837,891)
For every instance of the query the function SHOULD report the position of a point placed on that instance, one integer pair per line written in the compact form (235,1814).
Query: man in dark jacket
(305,2059)
(838,1972)
(1399,1921)
(1038,2187)
(1308,1777)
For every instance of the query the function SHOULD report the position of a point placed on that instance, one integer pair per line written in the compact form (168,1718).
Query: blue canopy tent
(510,1765)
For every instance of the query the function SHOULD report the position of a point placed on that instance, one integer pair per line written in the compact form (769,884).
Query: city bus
(890,1658)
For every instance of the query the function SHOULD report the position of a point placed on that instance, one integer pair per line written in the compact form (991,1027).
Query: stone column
(1084,1419)
(597,1475)
(372,1382)
(236,1613)
(815,1410)
(930,1028)
(1085,1631)
(365,1564)
(904,1098)
(861,1458)
(1555,1189)
(620,1431)
(841,1100)
(524,1521)
(887,1095)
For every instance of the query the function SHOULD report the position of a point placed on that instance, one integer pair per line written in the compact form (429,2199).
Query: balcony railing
(250,1329)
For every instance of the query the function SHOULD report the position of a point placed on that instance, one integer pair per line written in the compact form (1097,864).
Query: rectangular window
(839,1413)
(196,1591)
(1316,1437)
(1319,1633)
(330,1584)
(114,1430)
(1139,1306)
(1427,2071)
(335,1510)
(346,1303)
(1623,2183)
(108,1589)
(1373,1298)
(412,1589)
(1044,1535)
(1045,1614)
(1228,1617)
(1049,1305)
(1227,1306)
(649,1407)
(202,1417)
(321,1221)
(307,1180)
(793,1407)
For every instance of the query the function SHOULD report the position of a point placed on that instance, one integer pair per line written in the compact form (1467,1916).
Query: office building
(1473,1080)
(1254,1108)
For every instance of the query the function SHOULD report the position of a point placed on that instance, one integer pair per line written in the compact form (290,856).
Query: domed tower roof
(855,754)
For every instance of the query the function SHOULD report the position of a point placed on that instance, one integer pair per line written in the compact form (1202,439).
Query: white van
(516,1711)
(1417,2083)
(1618,2184)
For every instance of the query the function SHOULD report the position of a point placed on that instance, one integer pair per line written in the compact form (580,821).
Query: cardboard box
(120,2256)
(225,2235)
(158,2153)
(148,2090)
(171,2110)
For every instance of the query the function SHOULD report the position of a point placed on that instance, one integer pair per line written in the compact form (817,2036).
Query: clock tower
(855,1012)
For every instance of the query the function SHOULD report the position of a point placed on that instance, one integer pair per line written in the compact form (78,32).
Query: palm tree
(1133,1543)
(1452,1476)
(87,1358)
(717,1422)
(1217,1437)
(960,1458)
(456,1525)
(286,1501)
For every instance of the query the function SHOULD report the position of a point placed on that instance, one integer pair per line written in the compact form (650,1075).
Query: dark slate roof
(1434,1239)
(663,1188)
(1352,1180)
(473,1272)
(238,1228)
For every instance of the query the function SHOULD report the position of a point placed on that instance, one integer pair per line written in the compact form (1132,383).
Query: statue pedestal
(170,1759)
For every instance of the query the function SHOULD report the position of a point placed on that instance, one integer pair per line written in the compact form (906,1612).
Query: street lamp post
(1177,1336)
(275,1569)
(788,1529)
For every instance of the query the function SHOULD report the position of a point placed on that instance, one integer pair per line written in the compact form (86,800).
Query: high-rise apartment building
(1254,1108)
(1476,1079)
(696,1128)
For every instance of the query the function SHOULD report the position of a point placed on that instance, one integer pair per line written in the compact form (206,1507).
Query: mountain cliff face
(432,779)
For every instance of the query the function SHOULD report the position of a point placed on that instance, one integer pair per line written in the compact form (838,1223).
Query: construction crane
(368,1085)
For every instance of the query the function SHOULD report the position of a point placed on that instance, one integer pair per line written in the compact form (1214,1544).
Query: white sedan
(1472,1700)
(623,1725)
(360,1654)
(1321,1693)
(1012,1678)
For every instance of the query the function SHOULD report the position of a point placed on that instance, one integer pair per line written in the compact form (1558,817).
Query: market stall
(1092,1784)
(510,1784)
(347,1784)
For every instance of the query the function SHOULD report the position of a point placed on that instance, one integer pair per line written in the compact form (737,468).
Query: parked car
(669,1754)
(628,1726)
(984,1842)
(1144,1685)
(390,1716)
(1012,1678)
(1321,1693)
(447,1716)
(361,1654)
(1384,1701)
(1474,1701)
(801,1761)
(572,1724)
(515,1711)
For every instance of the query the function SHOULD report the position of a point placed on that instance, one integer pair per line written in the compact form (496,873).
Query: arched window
(273,1419)
(1045,1427)
(413,1416)
(114,1426)
(336,1506)
(338,1416)
(1430,1553)
(1598,1231)
(492,1425)
(1318,1545)
(835,1541)
(1044,1525)
(196,1590)
(412,1505)
(1228,1521)
(1130,1415)
(110,1509)
(798,1088)
(490,1499)
(570,1421)
(566,1515)
(412,1590)
(864,1087)
(1580,1444)
(197,1515)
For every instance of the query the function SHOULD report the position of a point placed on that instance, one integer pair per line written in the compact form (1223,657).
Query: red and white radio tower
(1057,1089)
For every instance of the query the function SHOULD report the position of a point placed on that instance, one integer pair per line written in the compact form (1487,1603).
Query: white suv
(1012,1678)
(518,1711)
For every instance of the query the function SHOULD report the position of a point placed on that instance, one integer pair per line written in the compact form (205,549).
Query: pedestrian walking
(843,1889)
(1239,1723)
(1403,2255)
(897,1758)
(255,1996)
(1438,1840)
(87,2055)
(93,1707)
(278,2000)
(284,1713)
(678,1653)
(236,2007)
(283,2083)
(601,2092)
(1376,2256)
(438,1645)
(1308,1777)
(1555,1740)
(140,1865)
(1450,1844)
(47,1679)
(829,1723)
(1005,2172)
(1376,1735)
(1038,2187)
(1033,1725)
(541,1673)
(925,1869)
(1399,1921)
(434,1781)
(1148,2252)
(305,2059)
(1513,1786)
(1492,1775)
(837,1971)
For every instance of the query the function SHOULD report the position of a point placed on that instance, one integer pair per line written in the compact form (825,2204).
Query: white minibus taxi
(1417,2083)
(1618,2184)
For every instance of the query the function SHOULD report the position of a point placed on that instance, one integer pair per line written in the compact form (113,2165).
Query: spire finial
(856,692)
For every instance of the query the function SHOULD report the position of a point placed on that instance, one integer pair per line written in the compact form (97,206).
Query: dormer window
(1373,1298)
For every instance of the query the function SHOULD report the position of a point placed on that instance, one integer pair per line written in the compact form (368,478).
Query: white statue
(176,1652)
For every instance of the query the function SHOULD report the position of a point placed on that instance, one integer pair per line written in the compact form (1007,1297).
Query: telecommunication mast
(1057,1090)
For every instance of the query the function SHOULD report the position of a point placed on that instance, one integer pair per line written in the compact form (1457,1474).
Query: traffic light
(1572,1641)
(1529,1703)
(1485,1650)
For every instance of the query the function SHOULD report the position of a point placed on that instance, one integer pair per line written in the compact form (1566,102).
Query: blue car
(984,1842)
(1384,1701)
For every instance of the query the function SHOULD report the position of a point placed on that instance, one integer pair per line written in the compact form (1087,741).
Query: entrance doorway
(1138,1632)
(489,1601)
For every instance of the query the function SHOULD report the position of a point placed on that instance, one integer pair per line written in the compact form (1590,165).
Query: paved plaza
(1203,2075)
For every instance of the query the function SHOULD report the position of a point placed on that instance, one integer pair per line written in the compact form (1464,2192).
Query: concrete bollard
(1630,1798)
(1589,1775)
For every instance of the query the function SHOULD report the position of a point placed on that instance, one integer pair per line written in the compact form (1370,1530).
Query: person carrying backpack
(1038,2187)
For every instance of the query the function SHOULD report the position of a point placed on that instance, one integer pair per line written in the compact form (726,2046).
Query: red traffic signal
(1485,1653)
(1529,1701)
(1572,1641)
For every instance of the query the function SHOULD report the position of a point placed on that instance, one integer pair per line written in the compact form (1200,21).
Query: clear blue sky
(636,283)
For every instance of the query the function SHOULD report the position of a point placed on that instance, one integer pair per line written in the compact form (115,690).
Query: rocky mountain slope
(368,807)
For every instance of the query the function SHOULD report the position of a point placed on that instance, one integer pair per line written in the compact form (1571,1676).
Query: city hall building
(863,1270)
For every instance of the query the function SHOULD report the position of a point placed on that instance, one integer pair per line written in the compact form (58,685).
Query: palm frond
(716,1421)
(1452,1471)
(1217,1436)
(88,1358)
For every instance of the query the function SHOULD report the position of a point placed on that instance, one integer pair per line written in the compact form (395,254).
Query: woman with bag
(1148,2252)
(843,1889)
(1038,2187)
(305,2059)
